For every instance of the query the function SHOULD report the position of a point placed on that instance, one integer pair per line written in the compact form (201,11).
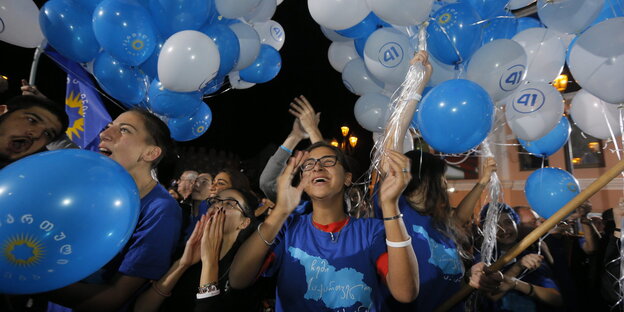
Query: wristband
(399,216)
(515,283)
(415,97)
(286,149)
(206,288)
(262,238)
(405,243)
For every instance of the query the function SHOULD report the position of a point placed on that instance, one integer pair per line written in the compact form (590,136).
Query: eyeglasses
(325,161)
(227,203)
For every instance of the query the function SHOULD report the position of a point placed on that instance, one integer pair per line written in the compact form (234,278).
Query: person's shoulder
(159,199)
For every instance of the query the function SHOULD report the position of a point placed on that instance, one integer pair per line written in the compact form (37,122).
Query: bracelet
(262,238)
(531,290)
(416,97)
(159,291)
(406,243)
(206,288)
(286,149)
(208,294)
(399,216)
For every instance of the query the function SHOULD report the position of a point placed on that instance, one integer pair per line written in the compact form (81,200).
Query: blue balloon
(227,43)
(528,22)
(190,128)
(214,85)
(64,215)
(611,9)
(172,16)
(67,27)
(124,83)
(504,26)
(488,8)
(266,66)
(125,29)
(551,142)
(359,44)
(549,189)
(455,116)
(362,29)
(454,34)
(172,104)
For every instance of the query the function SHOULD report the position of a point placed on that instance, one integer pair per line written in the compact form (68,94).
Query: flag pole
(35,62)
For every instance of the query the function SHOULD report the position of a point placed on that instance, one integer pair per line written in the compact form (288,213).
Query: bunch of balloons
(167,54)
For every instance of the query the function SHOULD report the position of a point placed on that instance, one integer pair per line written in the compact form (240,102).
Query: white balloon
(338,14)
(340,53)
(597,60)
(498,67)
(387,55)
(236,9)
(535,109)
(358,80)
(371,111)
(518,4)
(333,35)
(545,52)
(594,116)
(408,141)
(568,16)
(188,61)
(443,72)
(263,12)
(249,41)
(19,23)
(237,83)
(402,12)
(271,33)
(279,2)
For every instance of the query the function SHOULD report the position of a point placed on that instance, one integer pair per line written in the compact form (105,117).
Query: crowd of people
(211,242)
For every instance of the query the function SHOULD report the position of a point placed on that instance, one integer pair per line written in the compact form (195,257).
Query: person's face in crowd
(221,182)
(529,218)
(325,175)
(126,141)
(26,131)
(507,232)
(187,182)
(232,202)
(201,189)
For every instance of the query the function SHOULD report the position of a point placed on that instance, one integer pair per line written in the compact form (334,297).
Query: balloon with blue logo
(227,44)
(124,28)
(503,26)
(361,29)
(455,116)
(171,16)
(172,104)
(271,33)
(124,83)
(67,27)
(20,23)
(65,214)
(190,128)
(266,66)
(387,55)
(454,34)
(498,67)
(570,16)
(249,43)
(548,189)
(533,110)
(551,142)
(358,79)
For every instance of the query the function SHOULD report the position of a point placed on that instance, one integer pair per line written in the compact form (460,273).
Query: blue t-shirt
(316,273)
(440,267)
(148,252)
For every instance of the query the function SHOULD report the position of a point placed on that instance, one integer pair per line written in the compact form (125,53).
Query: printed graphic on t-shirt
(335,288)
(442,257)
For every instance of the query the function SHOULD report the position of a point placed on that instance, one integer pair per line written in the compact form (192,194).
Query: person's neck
(144,181)
(227,243)
(328,210)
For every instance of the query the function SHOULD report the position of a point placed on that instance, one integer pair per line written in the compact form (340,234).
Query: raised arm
(252,253)
(465,210)
(403,277)
(308,119)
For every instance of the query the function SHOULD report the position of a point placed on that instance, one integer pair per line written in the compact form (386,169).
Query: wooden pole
(541,230)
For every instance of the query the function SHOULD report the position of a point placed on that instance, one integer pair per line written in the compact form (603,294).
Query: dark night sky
(244,121)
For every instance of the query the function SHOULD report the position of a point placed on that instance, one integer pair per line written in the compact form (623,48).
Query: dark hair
(342,158)
(158,133)
(427,177)
(27,101)
(504,208)
(251,203)
(239,180)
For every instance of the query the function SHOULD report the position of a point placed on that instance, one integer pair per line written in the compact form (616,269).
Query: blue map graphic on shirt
(336,289)
(442,257)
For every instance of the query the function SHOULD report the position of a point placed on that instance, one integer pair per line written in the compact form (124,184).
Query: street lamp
(348,142)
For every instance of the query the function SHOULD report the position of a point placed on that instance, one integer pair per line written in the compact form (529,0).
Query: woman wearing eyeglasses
(325,260)
(203,286)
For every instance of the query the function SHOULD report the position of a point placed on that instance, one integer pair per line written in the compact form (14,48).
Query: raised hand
(27,89)
(396,176)
(192,250)
(289,196)
(213,237)
(306,117)
(489,166)
(531,261)
(423,57)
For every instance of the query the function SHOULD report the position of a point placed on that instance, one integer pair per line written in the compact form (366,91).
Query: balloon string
(492,18)
(488,247)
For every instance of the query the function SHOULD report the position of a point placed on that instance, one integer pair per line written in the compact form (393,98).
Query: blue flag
(83,105)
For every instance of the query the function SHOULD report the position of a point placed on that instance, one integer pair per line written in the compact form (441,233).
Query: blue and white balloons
(454,35)
(533,110)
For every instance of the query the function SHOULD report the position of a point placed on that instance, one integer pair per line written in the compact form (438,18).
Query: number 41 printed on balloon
(534,110)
